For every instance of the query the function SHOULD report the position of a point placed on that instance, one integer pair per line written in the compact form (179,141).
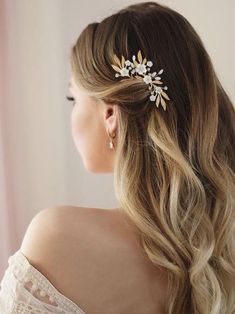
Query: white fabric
(26,290)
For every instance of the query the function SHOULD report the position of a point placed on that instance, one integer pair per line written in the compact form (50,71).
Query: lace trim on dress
(34,288)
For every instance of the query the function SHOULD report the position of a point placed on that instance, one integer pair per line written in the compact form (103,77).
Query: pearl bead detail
(42,293)
(27,279)
(34,287)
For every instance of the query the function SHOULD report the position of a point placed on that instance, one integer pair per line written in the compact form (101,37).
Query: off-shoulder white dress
(26,290)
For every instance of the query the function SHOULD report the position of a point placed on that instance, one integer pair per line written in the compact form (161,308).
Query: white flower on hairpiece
(124,72)
(142,69)
(147,79)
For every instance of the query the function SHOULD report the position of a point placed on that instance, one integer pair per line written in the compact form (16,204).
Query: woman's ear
(110,114)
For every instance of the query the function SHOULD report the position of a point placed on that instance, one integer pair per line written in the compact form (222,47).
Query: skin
(90,121)
(98,257)
(96,250)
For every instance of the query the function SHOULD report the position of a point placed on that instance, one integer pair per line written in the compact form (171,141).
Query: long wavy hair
(174,173)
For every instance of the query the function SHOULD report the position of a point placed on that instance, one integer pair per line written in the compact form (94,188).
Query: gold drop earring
(111,144)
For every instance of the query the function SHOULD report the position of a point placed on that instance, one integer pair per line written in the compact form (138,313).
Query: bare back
(103,268)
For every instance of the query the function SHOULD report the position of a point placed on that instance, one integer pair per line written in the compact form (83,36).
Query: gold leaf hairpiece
(142,69)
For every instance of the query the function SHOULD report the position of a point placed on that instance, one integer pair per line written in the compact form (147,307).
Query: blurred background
(39,164)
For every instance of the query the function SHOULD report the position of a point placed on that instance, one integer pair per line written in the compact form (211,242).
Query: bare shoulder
(60,240)
(56,232)
(50,225)
(73,222)
(96,252)
(90,232)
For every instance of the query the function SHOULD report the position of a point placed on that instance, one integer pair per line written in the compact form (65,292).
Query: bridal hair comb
(142,69)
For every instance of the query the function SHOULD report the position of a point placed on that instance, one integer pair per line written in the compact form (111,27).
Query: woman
(149,107)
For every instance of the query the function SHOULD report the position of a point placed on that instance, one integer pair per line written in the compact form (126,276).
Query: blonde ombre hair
(174,170)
